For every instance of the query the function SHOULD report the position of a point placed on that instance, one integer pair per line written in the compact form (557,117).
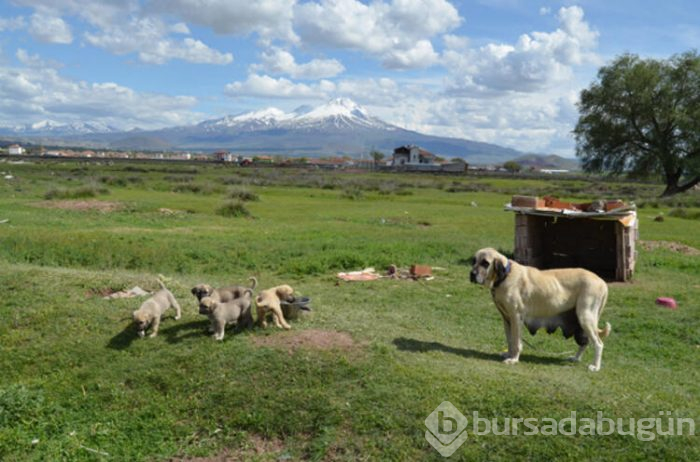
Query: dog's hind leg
(577,357)
(175,304)
(587,309)
(278,317)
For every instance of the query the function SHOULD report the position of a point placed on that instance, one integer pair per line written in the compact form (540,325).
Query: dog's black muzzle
(472,276)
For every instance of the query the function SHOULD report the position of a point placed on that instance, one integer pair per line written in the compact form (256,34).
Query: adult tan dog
(152,309)
(222,294)
(269,301)
(570,298)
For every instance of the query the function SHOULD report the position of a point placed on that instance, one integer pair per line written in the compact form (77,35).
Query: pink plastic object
(668,302)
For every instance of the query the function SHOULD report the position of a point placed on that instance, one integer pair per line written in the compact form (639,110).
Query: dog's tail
(255,282)
(605,332)
(161,284)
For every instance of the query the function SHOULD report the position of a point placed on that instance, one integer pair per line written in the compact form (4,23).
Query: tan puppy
(269,301)
(222,294)
(237,312)
(152,309)
(571,298)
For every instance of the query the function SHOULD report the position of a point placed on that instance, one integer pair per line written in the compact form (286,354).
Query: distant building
(225,156)
(15,150)
(412,155)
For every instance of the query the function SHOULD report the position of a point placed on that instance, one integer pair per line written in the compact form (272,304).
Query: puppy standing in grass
(269,301)
(152,309)
(237,311)
(570,298)
(222,294)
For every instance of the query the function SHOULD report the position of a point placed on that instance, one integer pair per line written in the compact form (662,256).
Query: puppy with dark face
(571,299)
(222,294)
(237,312)
(269,301)
(150,312)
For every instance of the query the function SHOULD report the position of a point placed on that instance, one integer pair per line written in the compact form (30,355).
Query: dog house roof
(616,210)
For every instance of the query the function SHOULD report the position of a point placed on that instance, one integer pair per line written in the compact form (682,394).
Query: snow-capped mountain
(337,114)
(338,127)
(52,128)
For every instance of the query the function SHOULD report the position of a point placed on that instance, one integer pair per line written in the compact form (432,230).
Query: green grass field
(77,384)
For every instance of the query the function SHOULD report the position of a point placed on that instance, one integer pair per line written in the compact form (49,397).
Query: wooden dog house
(599,236)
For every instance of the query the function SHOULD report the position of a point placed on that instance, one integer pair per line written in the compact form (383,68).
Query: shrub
(243,195)
(205,189)
(233,209)
(352,194)
(684,213)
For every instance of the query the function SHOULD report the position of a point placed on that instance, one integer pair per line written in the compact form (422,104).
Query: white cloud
(100,14)
(50,29)
(535,61)
(34,60)
(279,61)
(148,38)
(27,95)
(270,19)
(398,33)
(11,24)
(422,52)
(263,86)
(121,27)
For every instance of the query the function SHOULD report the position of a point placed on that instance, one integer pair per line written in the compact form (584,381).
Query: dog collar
(500,279)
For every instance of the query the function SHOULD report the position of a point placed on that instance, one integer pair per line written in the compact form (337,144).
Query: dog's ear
(472,261)
(498,269)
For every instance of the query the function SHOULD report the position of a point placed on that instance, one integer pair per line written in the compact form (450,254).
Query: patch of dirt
(100,206)
(669,245)
(256,447)
(313,338)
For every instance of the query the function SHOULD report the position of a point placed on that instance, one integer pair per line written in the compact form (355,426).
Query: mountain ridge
(338,127)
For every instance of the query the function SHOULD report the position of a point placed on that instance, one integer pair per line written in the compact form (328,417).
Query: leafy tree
(512,166)
(642,116)
(377,156)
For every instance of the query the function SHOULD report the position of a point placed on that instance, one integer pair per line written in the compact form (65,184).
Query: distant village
(409,158)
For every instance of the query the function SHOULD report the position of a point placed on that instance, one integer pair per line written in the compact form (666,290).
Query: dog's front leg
(506,329)
(154,326)
(515,345)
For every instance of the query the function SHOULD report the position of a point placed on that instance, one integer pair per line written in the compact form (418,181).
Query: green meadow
(76,383)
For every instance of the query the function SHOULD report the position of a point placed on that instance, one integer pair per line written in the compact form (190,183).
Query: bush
(233,209)
(82,192)
(684,213)
(352,194)
(243,195)
(205,189)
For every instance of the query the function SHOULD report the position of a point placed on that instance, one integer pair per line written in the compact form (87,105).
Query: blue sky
(502,71)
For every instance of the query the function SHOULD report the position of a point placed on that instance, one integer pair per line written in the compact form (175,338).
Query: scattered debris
(135,291)
(9,177)
(667,302)
(659,218)
(474,204)
(415,272)
(6,220)
(367,274)
(421,271)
